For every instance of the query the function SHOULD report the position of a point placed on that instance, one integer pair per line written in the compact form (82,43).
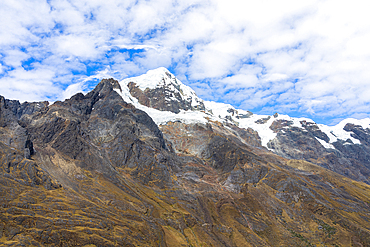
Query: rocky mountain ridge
(111,168)
(343,148)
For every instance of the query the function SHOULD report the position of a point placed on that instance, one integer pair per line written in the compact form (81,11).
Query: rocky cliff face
(115,167)
(312,144)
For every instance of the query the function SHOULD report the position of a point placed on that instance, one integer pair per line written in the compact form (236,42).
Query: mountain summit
(146,162)
(159,89)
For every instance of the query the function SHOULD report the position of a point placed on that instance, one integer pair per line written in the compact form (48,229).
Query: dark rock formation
(16,147)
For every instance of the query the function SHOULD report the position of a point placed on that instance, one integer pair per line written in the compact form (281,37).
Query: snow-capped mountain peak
(160,89)
(151,79)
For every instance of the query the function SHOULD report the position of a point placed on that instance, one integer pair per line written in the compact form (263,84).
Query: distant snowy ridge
(224,112)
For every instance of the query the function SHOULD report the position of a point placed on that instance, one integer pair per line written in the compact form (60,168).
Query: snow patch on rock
(325,144)
(162,117)
(337,132)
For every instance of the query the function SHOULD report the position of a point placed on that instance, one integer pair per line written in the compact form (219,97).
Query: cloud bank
(303,58)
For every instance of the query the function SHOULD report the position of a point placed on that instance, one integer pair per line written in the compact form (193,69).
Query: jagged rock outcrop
(17,148)
(342,156)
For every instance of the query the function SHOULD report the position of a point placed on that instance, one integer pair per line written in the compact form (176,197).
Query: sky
(302,58)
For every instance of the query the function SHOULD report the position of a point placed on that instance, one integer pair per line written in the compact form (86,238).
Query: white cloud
(72,90)
(245,77)
(136,47)
(28,85)
(106,73)
(304,56)
(22,20)
(78,46)
(14,58)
